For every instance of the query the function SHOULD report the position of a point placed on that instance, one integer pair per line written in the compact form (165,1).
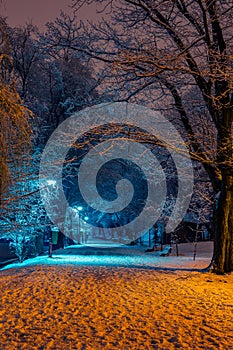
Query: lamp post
(50,244)
(80,208)
(50,183)
(86,218)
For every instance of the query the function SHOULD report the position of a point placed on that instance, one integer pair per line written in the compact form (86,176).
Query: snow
(103,254)
(115,301)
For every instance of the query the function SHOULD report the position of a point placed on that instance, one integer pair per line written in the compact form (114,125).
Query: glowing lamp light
(80,208)
(51,182)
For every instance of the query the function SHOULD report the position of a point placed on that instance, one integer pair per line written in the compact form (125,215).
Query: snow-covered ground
(103,254)
(122,301)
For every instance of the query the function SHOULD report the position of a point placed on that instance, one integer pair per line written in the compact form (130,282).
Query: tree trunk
(223,227)
(223,217)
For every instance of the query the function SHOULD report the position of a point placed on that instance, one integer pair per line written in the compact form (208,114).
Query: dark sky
(38,11)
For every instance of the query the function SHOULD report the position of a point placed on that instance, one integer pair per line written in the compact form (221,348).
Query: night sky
(18,12)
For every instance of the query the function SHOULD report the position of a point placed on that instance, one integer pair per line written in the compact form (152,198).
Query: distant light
(51,182)
(86,218)
(80,208)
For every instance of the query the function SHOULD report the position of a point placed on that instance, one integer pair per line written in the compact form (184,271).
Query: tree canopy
(184,50)
(15,131)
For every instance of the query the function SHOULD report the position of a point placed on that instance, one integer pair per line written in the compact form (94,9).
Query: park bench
(166,251)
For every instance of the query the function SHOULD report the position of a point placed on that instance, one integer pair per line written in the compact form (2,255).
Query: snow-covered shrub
(22,245)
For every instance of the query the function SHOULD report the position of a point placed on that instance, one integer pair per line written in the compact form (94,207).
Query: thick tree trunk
(223,220)
(223,227)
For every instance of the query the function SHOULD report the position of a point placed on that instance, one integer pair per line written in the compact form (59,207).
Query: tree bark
(223,218)
(223,227)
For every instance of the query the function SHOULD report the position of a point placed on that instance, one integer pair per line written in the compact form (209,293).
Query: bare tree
(175,46)
(25,52)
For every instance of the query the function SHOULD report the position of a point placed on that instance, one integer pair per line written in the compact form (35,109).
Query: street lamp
(80,208)
(86,218)
(50,243)
(50,183)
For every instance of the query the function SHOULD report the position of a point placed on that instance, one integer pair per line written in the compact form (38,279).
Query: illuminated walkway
(124,256)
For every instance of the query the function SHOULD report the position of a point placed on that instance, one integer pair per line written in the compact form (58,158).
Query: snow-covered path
(126,256)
